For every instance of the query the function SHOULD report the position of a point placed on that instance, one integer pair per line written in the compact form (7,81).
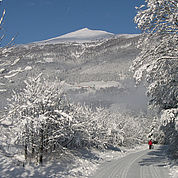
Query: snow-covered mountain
(94,66)
(83,35)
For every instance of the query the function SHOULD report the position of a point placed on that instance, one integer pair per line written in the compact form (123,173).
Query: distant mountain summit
(82,35)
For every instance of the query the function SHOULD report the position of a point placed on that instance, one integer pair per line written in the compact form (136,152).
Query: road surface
(141,164)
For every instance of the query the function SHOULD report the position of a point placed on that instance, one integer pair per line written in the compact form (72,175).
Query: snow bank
(174,169)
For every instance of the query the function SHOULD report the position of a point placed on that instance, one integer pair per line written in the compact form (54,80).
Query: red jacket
(150,142)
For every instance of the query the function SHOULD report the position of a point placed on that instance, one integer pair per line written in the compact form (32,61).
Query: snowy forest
(41,122)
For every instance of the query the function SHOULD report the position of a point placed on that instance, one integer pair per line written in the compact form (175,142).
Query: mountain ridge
(83,35)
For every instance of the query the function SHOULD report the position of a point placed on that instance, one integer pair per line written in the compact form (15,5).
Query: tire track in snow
(125,172)
(141,164)
(141,172)
(153,171)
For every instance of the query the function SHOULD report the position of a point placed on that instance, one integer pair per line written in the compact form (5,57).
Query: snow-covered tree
(157,16)
(155,133)
(36,115)
(158,59)
(157,63)
(5,50)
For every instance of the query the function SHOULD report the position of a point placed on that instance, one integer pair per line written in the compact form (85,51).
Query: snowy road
(142,164)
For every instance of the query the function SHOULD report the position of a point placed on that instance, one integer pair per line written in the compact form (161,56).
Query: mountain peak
(82,35)
(84,29)
(86,33)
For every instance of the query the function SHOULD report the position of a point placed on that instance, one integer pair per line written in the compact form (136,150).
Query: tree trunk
(41,147)
(25,151)
(26,142)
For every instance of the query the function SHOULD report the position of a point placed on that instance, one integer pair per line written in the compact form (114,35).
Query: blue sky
(35,20)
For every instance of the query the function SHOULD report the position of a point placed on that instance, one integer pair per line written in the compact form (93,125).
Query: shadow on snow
(155,157)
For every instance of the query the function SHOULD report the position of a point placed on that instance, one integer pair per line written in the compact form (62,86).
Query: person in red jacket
(150,143)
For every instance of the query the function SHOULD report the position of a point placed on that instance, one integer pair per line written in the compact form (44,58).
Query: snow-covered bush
(169,119)
(135,129)
(155,133)
(123,129)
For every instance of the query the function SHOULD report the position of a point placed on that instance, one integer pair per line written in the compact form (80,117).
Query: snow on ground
(66,165)
(99,84)
(74,164)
